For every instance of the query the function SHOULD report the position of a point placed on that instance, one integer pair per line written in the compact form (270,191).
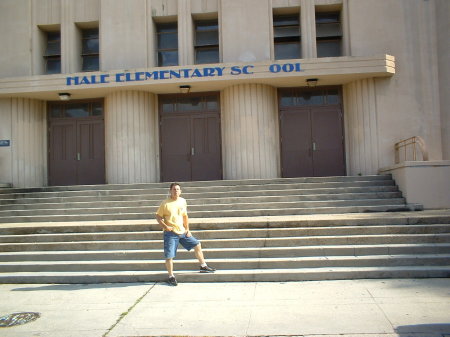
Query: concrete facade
(393,73)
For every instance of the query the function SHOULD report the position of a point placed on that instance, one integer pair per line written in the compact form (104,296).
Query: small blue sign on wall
(5,142)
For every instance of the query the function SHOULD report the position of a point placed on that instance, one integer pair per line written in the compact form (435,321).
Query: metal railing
(408,148)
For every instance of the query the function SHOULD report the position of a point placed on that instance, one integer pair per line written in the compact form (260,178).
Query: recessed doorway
(190,137)
(76,143)
(311,131)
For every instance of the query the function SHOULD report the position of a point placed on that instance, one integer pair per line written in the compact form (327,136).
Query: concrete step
(9,199)
(272,188)
(57,203)
(232,253)
(121,214)
(230,264)
(204,184)
(242,198)
(245,275)
(251,230)
(143,207)
(230,233)
(429,217)
(233,243)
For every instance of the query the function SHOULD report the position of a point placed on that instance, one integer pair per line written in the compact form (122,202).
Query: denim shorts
(171,241)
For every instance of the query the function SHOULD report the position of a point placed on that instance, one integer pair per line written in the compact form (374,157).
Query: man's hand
(188,234)
(163,225)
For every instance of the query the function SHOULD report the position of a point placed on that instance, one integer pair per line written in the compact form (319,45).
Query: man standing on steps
(173,219)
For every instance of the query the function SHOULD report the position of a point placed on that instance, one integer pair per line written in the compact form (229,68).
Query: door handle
(78,156)
(314,146)
(192,151)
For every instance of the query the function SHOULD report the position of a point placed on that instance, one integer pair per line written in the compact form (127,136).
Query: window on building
(206,42)
(82,109)
(329,34)
(308,96)
(287,40)
(52,55)
(90,50)
(167,40)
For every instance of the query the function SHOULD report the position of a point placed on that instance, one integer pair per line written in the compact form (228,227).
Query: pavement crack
(381,309)
(125,313)
(251,311)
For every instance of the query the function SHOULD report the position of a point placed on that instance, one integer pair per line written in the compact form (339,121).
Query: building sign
(5,142)
(184,73)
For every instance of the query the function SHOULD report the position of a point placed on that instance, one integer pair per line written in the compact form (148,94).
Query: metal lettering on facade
(184,73)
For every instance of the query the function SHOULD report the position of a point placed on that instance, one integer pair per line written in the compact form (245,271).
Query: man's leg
(199,254)
(204,268)
(170,251)
(169,266)
(191,242)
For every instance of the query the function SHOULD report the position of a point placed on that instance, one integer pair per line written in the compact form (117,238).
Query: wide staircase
(251,230)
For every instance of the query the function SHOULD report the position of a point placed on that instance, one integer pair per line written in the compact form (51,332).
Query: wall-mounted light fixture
(184,89)
(312,82)
(64,96)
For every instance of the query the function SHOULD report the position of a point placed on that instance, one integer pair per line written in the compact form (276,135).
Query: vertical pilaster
(131,132)
(151,43)
(28,142)
(185,33)
(308,28)
(70,40)
(250,132)
(361,127)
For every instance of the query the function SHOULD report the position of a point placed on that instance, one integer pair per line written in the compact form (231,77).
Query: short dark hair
(174,184)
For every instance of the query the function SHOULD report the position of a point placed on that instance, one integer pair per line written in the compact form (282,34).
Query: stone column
(250,132)
(308,28)
(28,143)
(131,132)
(361,127)
(185,33)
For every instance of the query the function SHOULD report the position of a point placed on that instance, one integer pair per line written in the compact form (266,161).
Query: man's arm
(186,225)
(163,225)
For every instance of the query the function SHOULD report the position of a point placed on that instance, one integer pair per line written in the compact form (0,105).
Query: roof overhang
(211,77)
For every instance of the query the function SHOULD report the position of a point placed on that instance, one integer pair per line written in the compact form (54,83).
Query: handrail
(408,144)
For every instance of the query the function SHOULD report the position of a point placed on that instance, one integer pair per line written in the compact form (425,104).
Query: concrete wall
(423,182)
(5,134)
(24,162)
(416,32)
(124,30)
(411,98)
(15,56)
(253,45)
(443,38)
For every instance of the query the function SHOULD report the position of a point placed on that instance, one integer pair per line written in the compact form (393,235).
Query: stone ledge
(423,182)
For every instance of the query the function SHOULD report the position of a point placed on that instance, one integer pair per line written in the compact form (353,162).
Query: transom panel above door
(311,131)
(190,141)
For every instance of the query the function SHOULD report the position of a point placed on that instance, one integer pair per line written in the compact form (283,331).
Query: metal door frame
(76,120)
(309,107)
(190,115)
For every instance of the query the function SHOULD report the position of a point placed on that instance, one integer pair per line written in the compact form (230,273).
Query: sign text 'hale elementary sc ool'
(184,73)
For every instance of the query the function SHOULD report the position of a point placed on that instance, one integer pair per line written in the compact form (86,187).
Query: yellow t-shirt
(173,211)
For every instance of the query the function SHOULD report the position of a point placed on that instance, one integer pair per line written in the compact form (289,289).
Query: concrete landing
(381,308)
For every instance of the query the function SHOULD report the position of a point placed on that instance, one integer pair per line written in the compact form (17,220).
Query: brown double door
(190,138)
(76,145)
(312,142)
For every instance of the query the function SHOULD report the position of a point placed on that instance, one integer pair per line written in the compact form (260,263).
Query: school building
(139,91)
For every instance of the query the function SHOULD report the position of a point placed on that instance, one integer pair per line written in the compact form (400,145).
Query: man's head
(175,190)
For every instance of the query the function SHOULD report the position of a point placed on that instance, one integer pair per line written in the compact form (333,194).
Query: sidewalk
(385,308)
